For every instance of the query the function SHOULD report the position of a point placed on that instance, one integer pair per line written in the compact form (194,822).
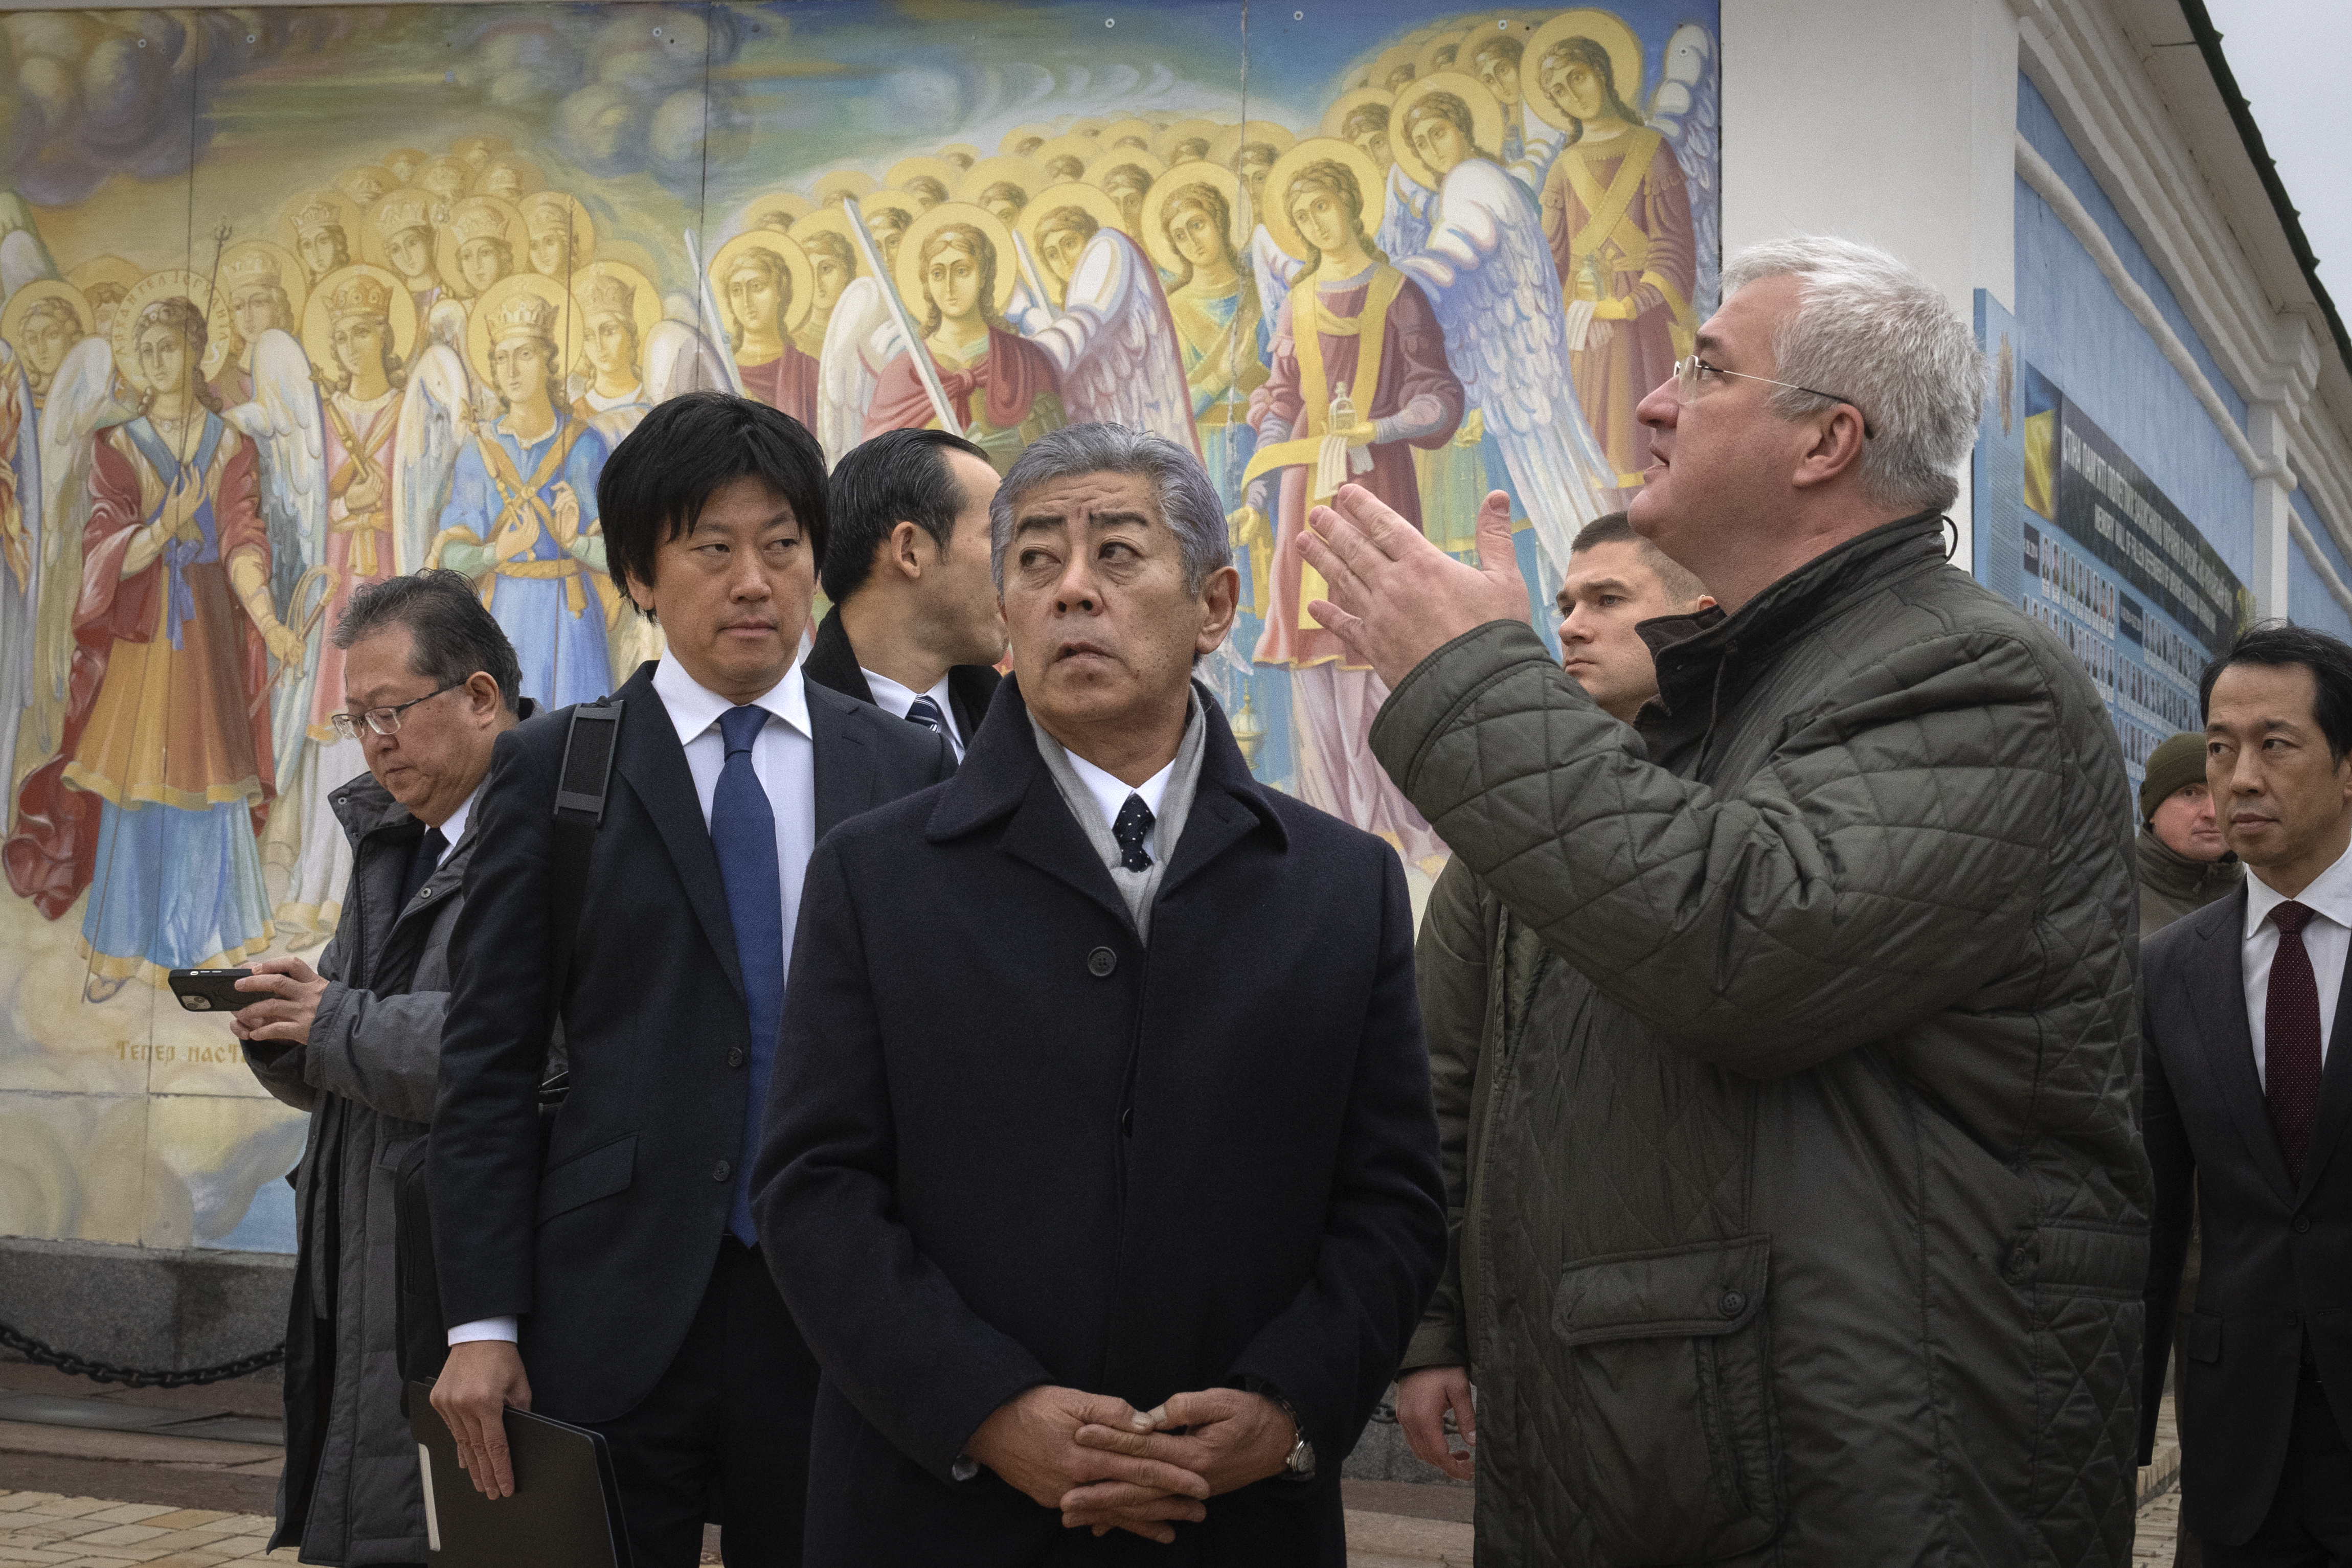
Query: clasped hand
(1226,1438)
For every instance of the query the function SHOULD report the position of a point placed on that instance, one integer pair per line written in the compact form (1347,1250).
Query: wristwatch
(1300,1465)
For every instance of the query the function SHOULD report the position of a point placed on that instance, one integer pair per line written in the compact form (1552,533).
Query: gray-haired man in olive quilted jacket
(1785,1044)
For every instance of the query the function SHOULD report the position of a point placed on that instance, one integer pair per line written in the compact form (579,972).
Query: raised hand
(1395,598)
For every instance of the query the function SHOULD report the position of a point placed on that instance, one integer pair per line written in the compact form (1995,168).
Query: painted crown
(360,296)
(400,213)
(477,220)
(525,315)
(318,213)
(251,268)
(608,297)
(546,210)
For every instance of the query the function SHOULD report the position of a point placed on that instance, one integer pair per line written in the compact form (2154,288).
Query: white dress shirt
(895,699)
(785,758)
(455,828)
(1110,791)
(2326,937)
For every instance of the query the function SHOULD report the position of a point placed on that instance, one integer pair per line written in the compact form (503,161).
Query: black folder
(565,1511)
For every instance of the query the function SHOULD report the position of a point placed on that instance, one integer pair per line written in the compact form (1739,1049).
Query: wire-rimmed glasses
(1690,368)
(383,720)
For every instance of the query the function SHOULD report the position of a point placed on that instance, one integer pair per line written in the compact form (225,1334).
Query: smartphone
(213,990)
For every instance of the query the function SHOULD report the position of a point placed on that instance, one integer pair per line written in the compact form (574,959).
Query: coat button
(2301,1224)
(722,1171)
(734,1056)
(424,893)
(1101,962)
(1733,1303)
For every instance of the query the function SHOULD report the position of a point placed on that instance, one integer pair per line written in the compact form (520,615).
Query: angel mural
(164,772)
(765,290)
(70,392)
(1197,227)
(266,290)
(824,238)
(521,510)
(1359,377)
(476,247)
(322,227)
(562,237)
(327,461)
(402,222)
(1618,215)
(1487,271)
(20,553)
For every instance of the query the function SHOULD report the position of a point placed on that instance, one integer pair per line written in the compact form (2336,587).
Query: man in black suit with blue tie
(606,1272)
(2248,1104)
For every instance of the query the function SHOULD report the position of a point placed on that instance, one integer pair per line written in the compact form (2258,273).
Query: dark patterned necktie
(926,712)
(743,832)
(1132,830)
(2291,1038)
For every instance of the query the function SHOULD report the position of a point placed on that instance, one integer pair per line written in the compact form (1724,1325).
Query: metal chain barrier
(33,1349)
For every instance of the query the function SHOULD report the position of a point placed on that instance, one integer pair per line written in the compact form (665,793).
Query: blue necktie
(926,712)
(743,832)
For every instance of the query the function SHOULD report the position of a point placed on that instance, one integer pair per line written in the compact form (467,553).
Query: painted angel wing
(1406,228)
(859,339)
(284,422)
(1687,108)
(81,402)
(1115,344)
(1489,276)
(433,418)
(679,359)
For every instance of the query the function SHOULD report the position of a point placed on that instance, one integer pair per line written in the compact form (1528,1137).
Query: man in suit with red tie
(2248,1097)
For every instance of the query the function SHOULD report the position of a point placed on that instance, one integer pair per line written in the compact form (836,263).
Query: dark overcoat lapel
(653,762)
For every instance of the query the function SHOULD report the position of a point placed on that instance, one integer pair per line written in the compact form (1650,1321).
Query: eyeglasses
(383,720)
(1690,367)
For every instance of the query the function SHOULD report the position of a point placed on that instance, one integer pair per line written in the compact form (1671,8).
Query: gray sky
(2290,57)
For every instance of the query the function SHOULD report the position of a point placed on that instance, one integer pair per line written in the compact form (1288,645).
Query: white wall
(1889,121)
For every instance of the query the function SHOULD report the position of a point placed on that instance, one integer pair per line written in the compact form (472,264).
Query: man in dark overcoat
(1100,1170)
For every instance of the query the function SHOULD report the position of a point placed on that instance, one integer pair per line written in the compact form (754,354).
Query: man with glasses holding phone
(1810,1222)
(430,684)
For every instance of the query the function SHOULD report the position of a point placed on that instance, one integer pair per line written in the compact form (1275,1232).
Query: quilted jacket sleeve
(1885,861)
(1451,966)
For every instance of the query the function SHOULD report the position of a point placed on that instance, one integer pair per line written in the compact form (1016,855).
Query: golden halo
(830,221)
(1093,199)
(1388,62)
(907,170)
(1125,158)
(319,328)
(291,277)
(351,181)
(414,157)
(1611,34)
(1022,174)
(1090,125)
(583,227)
(104,269)
(1205,132)
(1486,121)
(1318,150)
(910,252)
(802,277)
(791,204)
(347,217)
(568,330)
(445,243)
(528,178)
(1117,131)
(962,154)
(459,173)
(838,182)
(1080,150)
(1348,102)
(1173,183)
(1448,41)
(1035,132)
(479,149)
(1227,148)
(890,199)
(644,299)
(173,283)
(11,318)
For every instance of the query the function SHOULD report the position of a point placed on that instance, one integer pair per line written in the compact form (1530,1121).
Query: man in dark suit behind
(2249,1099)
(1101,1170)
(914,628)
(623,1258)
